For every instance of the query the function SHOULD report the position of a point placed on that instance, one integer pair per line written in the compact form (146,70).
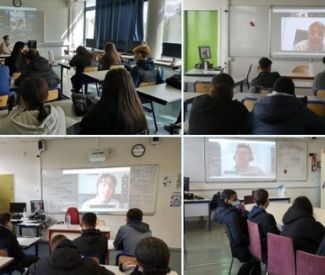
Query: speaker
(41,145)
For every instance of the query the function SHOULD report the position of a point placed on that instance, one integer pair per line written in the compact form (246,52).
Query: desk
(28,224)
(275,199)
(299,76)
(115,269)
(29,242)
(98,76)
(202,73)
(4,261)
(198,208)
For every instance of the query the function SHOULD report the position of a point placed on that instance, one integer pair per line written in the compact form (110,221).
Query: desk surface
(115,269)
(98,75)
(302,76)
(75,228)
(27,242)
(202,73)
(5,261)
(197,201)
(161,93)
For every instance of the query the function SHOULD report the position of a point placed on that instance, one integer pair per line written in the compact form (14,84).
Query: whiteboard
(194,161)
(60,191)
(292,161)
(247,40)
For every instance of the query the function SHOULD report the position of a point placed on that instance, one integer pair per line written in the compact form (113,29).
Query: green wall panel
(201,28)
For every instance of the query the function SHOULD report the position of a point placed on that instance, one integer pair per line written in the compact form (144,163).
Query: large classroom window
(90,13)
(172,21)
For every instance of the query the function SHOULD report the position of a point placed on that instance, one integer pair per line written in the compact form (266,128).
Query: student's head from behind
(261,197)
(284,85)
(265,64)
(19,47)
(106,184)
(5,220)
(6,39)
(31,54)
(229,196)
(141,52)
(153,256)
(243,155)
(134,215)
(88,220)
(56,240)
(82,51)
(303,203)
(222,86)
(110,47)
(316,33)
(33,92)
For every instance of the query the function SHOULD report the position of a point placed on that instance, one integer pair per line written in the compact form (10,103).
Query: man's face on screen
(316,36)
(106,189)
(242,157)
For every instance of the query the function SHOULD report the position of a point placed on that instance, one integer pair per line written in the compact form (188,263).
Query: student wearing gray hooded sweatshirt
(132,232)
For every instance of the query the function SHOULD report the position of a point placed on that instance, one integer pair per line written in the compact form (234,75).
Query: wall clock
(138,150)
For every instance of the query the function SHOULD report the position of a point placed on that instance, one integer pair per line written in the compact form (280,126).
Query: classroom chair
(202,87)
(248,199)
(255,245)
(122,258)
(309,263)
(246,80)
(53,95)
(88,80)
(318,107)
(302,69)
(232,253)
(320,93)
(249,103)
(280,255)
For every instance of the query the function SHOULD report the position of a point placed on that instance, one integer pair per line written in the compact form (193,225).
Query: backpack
(74,215)
(253,267)
(175,81)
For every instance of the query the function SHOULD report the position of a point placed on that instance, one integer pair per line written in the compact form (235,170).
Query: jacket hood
(146,64)
(222,211)
(286,108)
(256,210)
(66,256)
(91,235)
(40,64)
(141,227)
(294,213)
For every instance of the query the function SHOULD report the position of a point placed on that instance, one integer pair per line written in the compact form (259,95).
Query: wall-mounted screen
(240,160)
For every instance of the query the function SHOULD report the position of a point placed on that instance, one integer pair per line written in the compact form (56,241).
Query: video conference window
(240,160)
(298,31)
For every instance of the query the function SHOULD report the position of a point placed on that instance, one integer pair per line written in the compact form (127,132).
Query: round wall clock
(17,3)
(138,150)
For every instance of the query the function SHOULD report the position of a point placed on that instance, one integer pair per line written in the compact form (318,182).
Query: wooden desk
(115,269)
(4,261)
(198,208)
(26,243)
(299,76)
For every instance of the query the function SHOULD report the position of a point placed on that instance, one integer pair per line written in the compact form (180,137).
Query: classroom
(73,44)
(59,173)
(232,37)
(286,167)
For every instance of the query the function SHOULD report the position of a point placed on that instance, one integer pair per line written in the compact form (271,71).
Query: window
(90,13)
(173,21)
(90,3)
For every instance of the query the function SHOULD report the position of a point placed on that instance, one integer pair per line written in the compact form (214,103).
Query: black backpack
(175,81)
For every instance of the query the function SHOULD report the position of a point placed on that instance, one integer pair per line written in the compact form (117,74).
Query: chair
(88,80)
(4,102)
(281,255)
(232,254)
(101,222)
(122,258)
(202,87)
(309,263)
(255,245)
(246,80)
(249,103)
(320,93)
(318,107)
(74,214)
(248,199)
(53,95)
(302,69)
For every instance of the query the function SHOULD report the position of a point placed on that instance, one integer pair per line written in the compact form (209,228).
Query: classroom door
(6,191)
(201,29)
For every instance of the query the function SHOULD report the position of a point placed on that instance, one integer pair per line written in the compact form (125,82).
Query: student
(5,45)
(265,221)
(111,57)
(17,61)
(319,81)
(65,259)
(9,242)
(4,80)
(265,78)
(130,234)
(119,110)
(281,112)
(81,60)
(91,242)
(216,113)
(32,116)
(300,225)
(153,256)
(144,72)
(38,66)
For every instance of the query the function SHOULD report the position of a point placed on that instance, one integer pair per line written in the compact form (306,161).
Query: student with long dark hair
(17,61)
(119,110)
(32,116)
(111,57)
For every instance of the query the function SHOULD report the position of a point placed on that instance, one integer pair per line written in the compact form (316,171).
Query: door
(6,191)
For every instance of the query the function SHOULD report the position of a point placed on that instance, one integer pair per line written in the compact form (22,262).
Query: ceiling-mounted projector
(96,156)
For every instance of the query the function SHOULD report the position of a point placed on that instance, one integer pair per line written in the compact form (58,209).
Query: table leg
(36,249)
(61,79)
(154,115)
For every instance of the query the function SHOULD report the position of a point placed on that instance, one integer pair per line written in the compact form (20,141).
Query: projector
(97,156)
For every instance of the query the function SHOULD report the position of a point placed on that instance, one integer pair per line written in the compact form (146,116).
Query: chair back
(320,93)
(255,245)
(74,214)
(202,87)
(281,255)
(309,263)
(53,95)
(303,69)
(249,72)
(4,101)
(3,252)
(248,199)
(318,107)
(122,258)
(90,69)
(249,103)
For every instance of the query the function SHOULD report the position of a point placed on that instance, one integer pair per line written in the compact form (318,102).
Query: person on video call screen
(106,184)
(315,41)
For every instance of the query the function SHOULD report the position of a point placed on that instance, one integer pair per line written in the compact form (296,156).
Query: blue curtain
(118,21)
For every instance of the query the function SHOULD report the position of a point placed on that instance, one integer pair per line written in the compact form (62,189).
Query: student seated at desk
(130,234)
(319,81)
(65,259)
(144,73)
(119,110)
(17,60)
(281,112)
(91,242)
(153,256)
(5,45)
(111,57)
(265,221)
(38,66)
(265,78)
(8,241)
(300,225)
(31,116)
(216,112)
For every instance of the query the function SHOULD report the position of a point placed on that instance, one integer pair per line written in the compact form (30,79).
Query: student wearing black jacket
(265,221)
(92,242)
(17,61)
(300,225)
